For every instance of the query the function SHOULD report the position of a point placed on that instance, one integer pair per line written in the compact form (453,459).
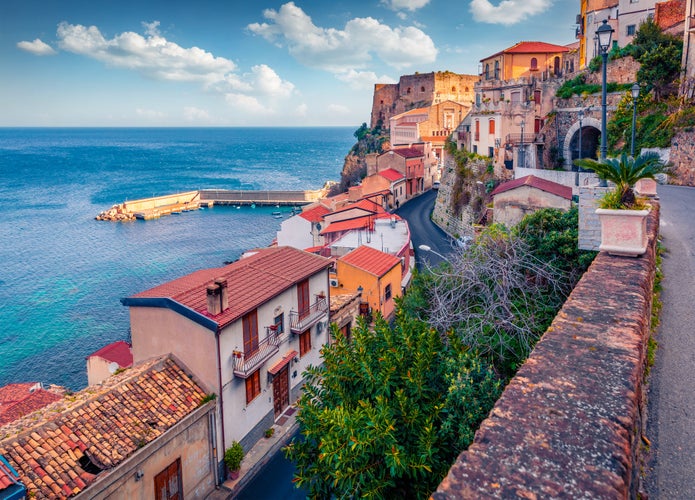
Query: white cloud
(363,79)
(338,109)
(302,109)
(347,49)
(247,104)
(193,114)
(37,47)
(410,5)
(267,82)
(150,114)
(152,55)
(507,12)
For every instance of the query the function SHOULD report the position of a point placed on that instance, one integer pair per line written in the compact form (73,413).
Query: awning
(288,356)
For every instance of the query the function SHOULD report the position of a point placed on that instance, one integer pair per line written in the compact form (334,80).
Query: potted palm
(232,459)
(622,214)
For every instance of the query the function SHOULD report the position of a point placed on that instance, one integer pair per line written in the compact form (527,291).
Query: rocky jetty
(116,213)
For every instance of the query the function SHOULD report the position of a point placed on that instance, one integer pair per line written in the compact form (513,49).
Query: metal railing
(300,321)
(247,363)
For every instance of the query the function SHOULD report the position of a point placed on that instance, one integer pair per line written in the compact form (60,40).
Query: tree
(660,68)
(388,412)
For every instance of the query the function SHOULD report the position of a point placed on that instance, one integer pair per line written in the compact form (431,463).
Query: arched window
(556,66)
(487,71)
(467,89)
(497,70)
(408,91)
(477,130)
(534,64)
(422,89)
(453,90)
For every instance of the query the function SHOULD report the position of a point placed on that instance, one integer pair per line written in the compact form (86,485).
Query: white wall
(295,232)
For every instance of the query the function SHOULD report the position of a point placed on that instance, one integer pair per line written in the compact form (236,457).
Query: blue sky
(243,63)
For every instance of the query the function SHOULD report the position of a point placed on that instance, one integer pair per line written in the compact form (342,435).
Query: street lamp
(581,117)
(635,95)
(427,248)
(521,146)
(604,34)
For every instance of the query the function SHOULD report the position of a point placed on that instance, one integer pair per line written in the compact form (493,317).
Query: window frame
(387,292)
(304,343)
(253,386)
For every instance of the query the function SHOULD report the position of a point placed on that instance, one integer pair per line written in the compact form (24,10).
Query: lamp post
(604,33)
(580,114)
(521,146)
(427,248)
(635,95)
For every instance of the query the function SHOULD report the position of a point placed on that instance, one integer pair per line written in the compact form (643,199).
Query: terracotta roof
(117,352)
(531,48)
(105,426)
(283,362)
(536,182)
(18,400)
(350,224)
(371,260)
(251,282)
(364,204)
(315,214)
(408,152)
(9,479)
(391,174)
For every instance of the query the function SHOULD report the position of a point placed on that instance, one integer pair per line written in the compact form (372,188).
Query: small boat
(176,212)
(253,205)
(277,213)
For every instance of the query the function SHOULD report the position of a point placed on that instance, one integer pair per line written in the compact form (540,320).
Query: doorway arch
(591,140)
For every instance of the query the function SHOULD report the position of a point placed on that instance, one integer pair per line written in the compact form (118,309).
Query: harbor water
(63,273)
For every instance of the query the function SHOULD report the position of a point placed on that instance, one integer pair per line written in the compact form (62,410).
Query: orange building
(376,274)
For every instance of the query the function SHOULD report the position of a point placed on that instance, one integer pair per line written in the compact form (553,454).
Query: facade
(247,331)
(591,16)
(376,275)
(303,230)
(107,360)
(632,13)
(417,91)
(410,162)
(512,99)
(515,199)
(144,433)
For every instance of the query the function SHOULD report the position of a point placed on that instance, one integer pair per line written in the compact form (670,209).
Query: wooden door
(167,484)
(281,391)
(250,327)
(303,298)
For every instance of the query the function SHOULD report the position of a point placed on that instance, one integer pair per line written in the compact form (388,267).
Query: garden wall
(569,424)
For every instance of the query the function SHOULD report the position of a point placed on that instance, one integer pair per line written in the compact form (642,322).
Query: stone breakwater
(116,213)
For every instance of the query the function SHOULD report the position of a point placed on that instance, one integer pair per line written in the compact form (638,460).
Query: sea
(63,273)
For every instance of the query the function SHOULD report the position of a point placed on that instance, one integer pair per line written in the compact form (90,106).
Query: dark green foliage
(388,412)
(552,236)
(577,86)
(660,68)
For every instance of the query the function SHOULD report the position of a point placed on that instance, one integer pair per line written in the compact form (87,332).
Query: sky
(164,63)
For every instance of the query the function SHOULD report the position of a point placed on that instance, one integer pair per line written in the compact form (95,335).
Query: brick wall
(570,423)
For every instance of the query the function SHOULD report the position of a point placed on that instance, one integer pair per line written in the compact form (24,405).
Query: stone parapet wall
(589,224)
(569,424)
(682,158)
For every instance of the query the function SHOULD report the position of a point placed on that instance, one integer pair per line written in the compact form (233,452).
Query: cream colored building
(513,200)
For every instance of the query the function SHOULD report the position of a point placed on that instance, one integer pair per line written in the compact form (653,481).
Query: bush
(233,456)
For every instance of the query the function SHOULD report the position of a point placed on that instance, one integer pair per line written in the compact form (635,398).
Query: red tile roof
(117,352)
(371,260)
(538,183)
(408,152)
(107,426)
(315,214)
(531,48)
(251,282)
(366,222)
(8,478)
(391,174)
(364,204)
(18,400)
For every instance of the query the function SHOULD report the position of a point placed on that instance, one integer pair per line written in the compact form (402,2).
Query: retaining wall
(569,424)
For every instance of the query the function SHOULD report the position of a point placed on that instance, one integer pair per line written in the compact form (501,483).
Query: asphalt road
(670,471)
(423,231)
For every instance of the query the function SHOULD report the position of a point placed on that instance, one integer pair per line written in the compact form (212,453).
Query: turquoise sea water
(62,273)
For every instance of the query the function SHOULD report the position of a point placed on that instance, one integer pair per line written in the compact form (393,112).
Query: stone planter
(623,232)
(646,187)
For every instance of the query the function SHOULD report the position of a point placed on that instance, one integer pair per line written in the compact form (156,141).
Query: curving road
(670,469)
(423,231)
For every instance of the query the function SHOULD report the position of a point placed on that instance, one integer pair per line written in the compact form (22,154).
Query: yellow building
(376,274)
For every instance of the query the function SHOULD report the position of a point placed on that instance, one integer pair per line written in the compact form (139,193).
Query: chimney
(224,295)
(213,295)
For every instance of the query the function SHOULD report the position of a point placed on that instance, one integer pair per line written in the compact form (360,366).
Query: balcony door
(250,326)
(281,391)
(303,297)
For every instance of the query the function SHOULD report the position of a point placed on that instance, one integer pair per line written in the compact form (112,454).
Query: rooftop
(387,236)
(315,214)
(536,182)
(18,400)
(391,174)
(531,48)
(277,269)
(97,428)
(118,352)
(371,260)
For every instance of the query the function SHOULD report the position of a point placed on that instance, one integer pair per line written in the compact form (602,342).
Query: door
(167,484)
(281,391)
(250,327)
(303,297)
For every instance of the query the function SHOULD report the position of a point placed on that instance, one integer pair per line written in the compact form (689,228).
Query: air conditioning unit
(321,326)
(333,282)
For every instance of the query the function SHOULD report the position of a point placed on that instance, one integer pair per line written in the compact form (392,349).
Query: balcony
(515,139)
(303,320)
(247,363)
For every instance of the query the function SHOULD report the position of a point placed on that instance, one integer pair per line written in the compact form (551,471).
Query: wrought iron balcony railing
(301,321)
(247,363)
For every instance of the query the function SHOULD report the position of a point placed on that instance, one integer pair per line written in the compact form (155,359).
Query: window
(422,89)
(497,70)
(280,323)
(477,130)
(387,292)
(475,149)
(304,342)
(487,71)
(250,326)
(630,30)
(253,386)
(534,64)
(537,97)
(167,484)
(491,126)
(303,298)
(491,152)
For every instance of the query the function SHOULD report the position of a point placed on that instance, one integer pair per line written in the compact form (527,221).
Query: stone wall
(589,224)
(569,424)
(682,158)
(443,215)
(623,70)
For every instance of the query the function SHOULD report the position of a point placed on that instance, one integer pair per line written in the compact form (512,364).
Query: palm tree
(625,171)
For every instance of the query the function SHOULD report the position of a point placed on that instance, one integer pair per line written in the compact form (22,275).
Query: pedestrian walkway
(256,458)
(670,468)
